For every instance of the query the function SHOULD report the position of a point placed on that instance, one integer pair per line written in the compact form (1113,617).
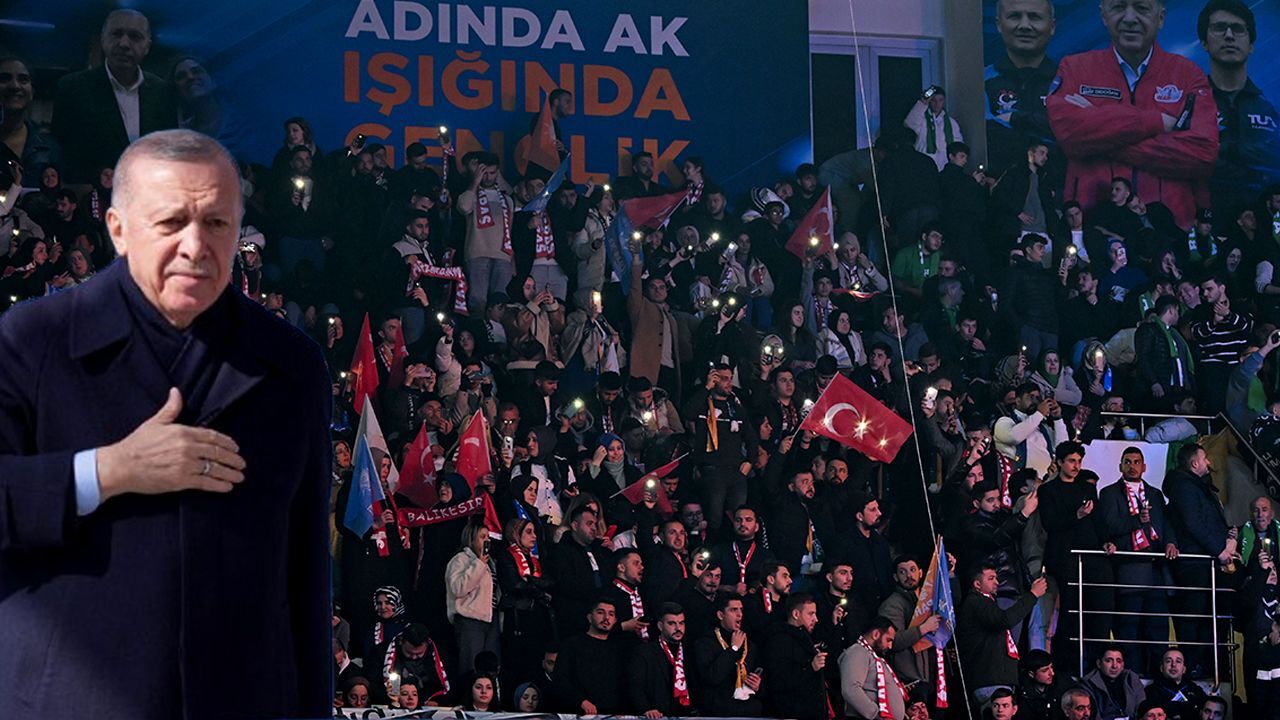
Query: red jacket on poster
(1123,135)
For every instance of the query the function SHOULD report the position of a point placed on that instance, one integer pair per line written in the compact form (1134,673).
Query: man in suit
(1133,516)
(99,111)
(154,532)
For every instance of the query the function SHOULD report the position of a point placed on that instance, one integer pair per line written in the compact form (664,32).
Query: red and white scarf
(544,245)
(1137,494)
(1010,647)
(527,564)
(419,269)
(637,604)
(1005,468)
(694,193)
(737,556)
(940,701)
(484,216)
(883,674)
(679,688)
(393,652)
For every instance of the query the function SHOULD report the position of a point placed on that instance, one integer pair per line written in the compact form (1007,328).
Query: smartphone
(508,444)
(931,397)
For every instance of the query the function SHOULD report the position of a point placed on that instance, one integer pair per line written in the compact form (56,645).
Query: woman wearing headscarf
(609,473)
(1056,381)
(526,602)
(839,340)
(388,608)
(519,500)
(554,477)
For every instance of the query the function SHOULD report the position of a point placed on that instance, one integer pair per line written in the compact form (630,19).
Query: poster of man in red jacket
(1137,112)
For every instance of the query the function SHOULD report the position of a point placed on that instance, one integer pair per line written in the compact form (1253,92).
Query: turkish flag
(364,366)
(847,414)
(396,375)
(474,461)
(541,149)
(634,492)
(418,473)
(820,223)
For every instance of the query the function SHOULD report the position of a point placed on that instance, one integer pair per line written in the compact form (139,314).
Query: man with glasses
(1248,124)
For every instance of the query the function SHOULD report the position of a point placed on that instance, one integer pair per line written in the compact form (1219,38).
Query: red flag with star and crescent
(418,473)
(818,224)
(849,415)
(364,367)
(474,461)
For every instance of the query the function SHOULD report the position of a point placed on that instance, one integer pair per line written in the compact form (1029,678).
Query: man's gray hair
(1000,8)
(172,145)
(1068,697)
(125,12)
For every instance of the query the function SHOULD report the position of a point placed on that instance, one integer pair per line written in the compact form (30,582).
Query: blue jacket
(152,606)
(1248,148)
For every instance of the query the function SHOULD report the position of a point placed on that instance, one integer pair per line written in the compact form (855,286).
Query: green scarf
(1173,346)
(932,128)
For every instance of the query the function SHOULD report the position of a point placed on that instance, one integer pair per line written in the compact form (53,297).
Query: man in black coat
(727,662)
(661,671)
(964,209)
(1029,298)
(1198,519)
(993,535)
(99,111)
(665,566)
(1133,514)
(799,531)
(868,552)
(1068,510)
(579,566)
(743,557)
(589,669)
(698,598)
(152,534)
(766,605)
(794,684)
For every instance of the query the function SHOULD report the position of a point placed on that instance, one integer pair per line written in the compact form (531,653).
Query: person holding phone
(472,594)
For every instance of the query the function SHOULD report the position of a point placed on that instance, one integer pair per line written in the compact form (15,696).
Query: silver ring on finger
(207,467)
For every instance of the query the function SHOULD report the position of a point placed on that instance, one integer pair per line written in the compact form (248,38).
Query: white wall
(907,18)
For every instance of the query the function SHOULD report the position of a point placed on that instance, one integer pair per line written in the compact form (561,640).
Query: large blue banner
(716,78)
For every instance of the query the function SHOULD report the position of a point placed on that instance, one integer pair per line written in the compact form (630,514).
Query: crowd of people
(773,572)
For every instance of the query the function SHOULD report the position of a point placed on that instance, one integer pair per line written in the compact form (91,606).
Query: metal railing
(1142,419)
(1262,471)
(1213,616)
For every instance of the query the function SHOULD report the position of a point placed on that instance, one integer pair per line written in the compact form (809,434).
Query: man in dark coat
(153,533)
(661,671)
(1068,510)
(727,661)
(87,111)
(1198,519)
(589,669)
(794,684)
(665,566)
(579,566)
(1134,516)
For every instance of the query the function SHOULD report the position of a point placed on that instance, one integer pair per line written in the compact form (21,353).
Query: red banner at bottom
(416,517)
